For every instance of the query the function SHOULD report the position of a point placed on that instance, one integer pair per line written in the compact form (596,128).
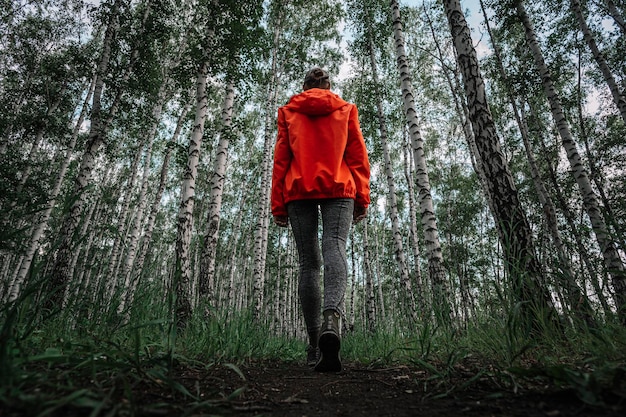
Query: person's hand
(281,221)
(359,214)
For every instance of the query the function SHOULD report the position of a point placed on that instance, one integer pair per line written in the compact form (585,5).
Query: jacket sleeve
(282,160)
(357,159)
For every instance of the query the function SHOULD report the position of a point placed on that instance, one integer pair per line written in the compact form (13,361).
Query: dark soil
(290,389)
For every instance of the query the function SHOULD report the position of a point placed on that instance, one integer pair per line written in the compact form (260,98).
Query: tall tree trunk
(436,271)
(81,253)
(462,112)
(78,287)
(612,261)
(183,273)
(379,284)
(127,292)
(595,174)
(41,130)
(415,244)
(577,301)
(514,230)
(618,97)
(260,237)
(61,272)
(156,203)
(370,302)
(207,269)
(42,224)
(561,200)
(405,279)
(121,219)
(234,252)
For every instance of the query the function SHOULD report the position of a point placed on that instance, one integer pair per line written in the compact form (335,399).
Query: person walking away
(320,166)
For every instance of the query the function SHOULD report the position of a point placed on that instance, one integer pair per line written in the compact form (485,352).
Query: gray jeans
(336,220)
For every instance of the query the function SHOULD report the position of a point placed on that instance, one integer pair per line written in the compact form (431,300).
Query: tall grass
(88,355)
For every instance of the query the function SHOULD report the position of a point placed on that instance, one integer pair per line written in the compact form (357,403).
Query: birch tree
(61,273)
(513,227)
(612,261)
(183,272)
(436,270)
(577,301)
(207,271)
(136,227)
(156,204)
(16,283)
(400,254)
(619,97)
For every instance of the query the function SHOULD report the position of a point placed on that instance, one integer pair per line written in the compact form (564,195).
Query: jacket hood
(316,102)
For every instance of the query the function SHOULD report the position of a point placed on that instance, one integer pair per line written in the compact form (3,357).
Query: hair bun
(317,78)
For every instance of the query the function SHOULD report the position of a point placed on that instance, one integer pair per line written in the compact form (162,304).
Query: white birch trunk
(370,303)
(78,286)
(463,115)
(379,284)
(515,233)
(260,241)
(35,147)
(207,269)
(612,261)
(128,286)
(122,220)
(156,204)
(576,300)
(399,253)
(415,243)
(42,224)
(434,255)
(233,264)
(61,271)
(183,272)
(618,97)
(74,284)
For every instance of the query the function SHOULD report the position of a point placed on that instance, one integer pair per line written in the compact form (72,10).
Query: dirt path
(290,390)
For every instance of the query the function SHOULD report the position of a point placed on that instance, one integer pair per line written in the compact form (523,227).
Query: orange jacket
(320,151)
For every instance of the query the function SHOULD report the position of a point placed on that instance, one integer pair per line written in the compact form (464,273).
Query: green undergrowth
(53,362)
(493,355)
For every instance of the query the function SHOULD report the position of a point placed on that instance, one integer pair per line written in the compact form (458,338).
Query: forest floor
(292,389)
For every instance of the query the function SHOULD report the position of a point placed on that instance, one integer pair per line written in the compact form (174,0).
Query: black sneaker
(312,355)
(329,344)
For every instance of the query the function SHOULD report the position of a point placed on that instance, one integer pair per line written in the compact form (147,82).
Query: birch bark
(515,234)
(612,261)
(62,269)
(618,96)
(405,279)
(183,273)
(415,244)
(260,237)
(578,303)
(436,271)
(42,224)
(207,270)
(142,199)
(147,239)
(370,302)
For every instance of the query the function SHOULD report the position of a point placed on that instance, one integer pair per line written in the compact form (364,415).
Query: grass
(51,363)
